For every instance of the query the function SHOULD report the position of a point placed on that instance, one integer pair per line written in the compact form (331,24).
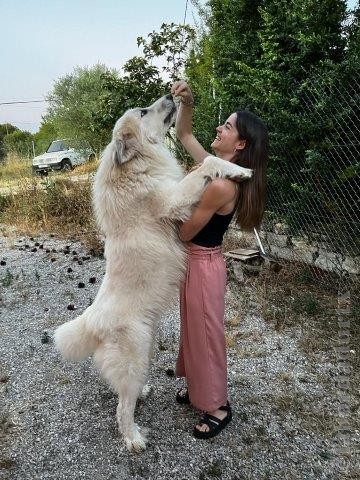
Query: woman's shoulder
(219,193)
(223,187)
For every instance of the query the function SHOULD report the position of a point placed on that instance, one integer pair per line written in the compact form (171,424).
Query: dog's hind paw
(137,441)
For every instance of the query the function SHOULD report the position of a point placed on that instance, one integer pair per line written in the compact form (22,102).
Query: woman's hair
(251,202)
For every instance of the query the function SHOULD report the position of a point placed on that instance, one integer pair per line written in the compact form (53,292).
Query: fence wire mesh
(316,218)
(312,214)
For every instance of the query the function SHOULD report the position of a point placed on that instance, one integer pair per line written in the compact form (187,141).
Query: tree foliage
(87,102)
(19,142)
(46,134)
(170,43)
(286,60)
(5,129)
(73,101)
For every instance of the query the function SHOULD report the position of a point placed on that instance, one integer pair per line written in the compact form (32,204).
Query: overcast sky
(42,40)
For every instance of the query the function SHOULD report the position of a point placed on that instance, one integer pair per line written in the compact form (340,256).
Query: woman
(202,354)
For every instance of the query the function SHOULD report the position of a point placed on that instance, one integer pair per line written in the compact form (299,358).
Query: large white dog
(140,194)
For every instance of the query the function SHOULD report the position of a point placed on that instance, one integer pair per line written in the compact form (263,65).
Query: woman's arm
(184,122)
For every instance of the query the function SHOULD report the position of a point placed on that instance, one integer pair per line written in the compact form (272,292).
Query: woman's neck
(225,156)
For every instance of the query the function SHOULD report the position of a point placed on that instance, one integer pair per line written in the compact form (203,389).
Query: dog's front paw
(216,167)
(241,174)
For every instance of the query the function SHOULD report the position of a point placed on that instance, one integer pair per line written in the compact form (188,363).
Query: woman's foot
(182,396)
(213,422)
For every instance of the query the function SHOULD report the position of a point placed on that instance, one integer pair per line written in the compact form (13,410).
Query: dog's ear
(123,148)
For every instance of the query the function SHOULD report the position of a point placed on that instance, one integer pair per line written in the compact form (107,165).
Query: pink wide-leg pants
(202,352)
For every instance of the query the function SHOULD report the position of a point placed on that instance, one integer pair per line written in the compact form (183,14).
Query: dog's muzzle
(170,117)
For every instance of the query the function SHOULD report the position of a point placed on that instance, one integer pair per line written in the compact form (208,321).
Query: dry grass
(14,168)
(235,239)
(86,168)
(17,169)
(287,299)
(56,205)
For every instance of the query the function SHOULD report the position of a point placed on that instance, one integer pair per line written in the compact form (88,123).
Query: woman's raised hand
(181,89)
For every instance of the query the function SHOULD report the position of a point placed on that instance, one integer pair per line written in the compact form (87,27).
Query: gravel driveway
(58,419)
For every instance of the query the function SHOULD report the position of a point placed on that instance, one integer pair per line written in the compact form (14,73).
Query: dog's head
(140,127)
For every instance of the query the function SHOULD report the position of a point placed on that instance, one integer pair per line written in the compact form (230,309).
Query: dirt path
(58,419)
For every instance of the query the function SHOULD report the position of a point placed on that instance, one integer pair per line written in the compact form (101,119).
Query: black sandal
(215,424)
(182,396)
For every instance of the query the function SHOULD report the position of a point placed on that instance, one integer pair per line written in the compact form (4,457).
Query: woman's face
(227,141)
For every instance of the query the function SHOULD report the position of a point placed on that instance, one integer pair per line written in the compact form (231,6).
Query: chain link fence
(315,220)
(312,214)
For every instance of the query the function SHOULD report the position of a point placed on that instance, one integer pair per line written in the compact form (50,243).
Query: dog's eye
(143,112)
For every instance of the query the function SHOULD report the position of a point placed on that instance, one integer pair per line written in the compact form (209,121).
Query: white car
(62,155)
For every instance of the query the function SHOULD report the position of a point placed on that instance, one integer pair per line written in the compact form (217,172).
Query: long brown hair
(251,201)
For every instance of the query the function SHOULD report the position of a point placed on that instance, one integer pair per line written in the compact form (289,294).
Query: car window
(57,146)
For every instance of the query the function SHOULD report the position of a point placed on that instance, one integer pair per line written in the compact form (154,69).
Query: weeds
(15,168)
(58,205)
(214,470)
(6,281)
(7,425)
(306,303)
(3,202)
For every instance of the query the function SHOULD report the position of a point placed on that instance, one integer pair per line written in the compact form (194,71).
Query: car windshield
(57,146)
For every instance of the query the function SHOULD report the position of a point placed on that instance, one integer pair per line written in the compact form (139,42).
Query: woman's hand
(183,123)
(181,89)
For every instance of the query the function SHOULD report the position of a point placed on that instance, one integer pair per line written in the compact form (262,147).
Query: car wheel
(40,173)
(66,165)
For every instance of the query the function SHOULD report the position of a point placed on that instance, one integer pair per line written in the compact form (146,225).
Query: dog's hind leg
(124,364)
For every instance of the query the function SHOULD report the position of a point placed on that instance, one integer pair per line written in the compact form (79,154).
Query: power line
(25,101)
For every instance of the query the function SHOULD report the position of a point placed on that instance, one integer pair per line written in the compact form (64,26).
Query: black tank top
(213,233)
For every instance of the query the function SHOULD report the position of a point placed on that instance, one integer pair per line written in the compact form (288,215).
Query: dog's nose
(169,97)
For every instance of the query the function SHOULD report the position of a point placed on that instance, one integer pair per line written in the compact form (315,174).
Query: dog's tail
(74,341)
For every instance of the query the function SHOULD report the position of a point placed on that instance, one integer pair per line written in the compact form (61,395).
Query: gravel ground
(58,419)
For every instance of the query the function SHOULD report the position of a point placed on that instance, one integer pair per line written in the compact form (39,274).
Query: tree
(74,101)
(302,44)
(46,134)
(353,34)
(227,47)
(170,43)
(140,86)
(86,103)
(5,129)
(19,142)
(270,55)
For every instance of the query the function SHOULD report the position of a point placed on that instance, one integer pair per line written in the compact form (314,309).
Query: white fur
(139,195)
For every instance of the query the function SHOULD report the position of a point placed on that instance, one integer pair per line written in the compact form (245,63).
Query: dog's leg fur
(176,203)
(124,364)
(216,167)
(74,340)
